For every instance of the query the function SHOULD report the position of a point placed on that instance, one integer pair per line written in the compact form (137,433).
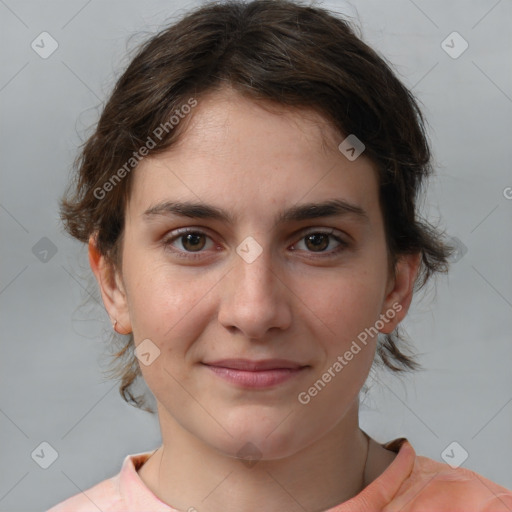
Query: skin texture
(290,303)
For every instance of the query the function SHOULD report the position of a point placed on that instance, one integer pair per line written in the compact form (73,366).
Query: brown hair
(273,50)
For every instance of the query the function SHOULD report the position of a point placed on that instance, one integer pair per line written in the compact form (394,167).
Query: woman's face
(264,276)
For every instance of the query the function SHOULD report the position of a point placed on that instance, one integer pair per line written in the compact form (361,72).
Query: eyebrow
(306,211)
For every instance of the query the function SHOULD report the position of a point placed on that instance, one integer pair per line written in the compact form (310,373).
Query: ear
(112,289)
(399,291)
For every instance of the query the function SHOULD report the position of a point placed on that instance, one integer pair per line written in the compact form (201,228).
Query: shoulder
(103,496)
(434,485)
(123,492)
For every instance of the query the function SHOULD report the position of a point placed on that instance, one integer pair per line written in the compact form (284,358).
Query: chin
(254,439)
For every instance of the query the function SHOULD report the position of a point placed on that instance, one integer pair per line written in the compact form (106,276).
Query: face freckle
(240,174)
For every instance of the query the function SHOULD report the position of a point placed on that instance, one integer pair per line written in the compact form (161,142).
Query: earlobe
(112,291)
(399,297)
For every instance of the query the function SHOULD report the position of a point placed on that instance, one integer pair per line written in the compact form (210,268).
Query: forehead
(252,155)
(225,120)
(227,110)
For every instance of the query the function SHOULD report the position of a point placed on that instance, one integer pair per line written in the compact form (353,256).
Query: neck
(187,474)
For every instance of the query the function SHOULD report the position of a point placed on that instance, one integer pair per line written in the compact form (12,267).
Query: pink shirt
(410,483)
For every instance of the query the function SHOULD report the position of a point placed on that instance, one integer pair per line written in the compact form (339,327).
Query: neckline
(379,492)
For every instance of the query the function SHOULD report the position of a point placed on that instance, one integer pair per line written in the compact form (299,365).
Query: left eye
(320,241)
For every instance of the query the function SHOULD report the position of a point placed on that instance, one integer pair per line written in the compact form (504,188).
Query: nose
(255,299)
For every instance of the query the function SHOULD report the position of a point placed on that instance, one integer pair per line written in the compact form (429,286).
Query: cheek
(158,296)
(172,308)
(349,307)
(346,303)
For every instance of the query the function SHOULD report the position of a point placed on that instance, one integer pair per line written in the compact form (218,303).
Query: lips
(246,373)
(254,366)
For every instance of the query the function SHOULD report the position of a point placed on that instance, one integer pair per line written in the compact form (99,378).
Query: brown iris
(318,240)
(193,241)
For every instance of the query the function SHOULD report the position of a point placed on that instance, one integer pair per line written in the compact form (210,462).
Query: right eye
(186,242)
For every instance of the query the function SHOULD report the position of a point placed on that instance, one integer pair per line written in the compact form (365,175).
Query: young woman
(249,201)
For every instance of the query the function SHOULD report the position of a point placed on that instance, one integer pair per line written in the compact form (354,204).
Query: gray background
(53,348)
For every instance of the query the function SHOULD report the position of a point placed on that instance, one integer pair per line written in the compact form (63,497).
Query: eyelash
(176,235)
